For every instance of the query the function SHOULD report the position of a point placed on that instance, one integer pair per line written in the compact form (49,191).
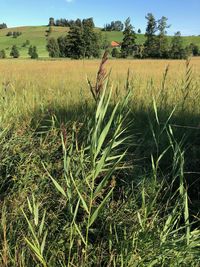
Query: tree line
(157,43)
(69,23)
(155,46)
(83,41)
(114,26)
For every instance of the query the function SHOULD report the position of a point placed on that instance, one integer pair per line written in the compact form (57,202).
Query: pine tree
(30,50)
(33,52)
(177,49)
(91,41)
(53,48)
(75,42)
(63,46)
(151,40)
(128,43)
(14,52)
(82,41)
(88,22)
(51,22)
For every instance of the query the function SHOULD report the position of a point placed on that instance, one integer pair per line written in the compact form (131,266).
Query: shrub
(16,34)
(115,53)
(33,52)
(14,52)
(26,43)
(9,34)
(2,54)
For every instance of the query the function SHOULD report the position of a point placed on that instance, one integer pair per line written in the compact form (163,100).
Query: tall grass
(102,183)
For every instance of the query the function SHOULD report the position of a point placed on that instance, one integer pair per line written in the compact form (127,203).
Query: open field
(112,182)
(42,82)
(37,36)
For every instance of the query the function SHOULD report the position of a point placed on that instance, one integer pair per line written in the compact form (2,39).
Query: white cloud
(69,1)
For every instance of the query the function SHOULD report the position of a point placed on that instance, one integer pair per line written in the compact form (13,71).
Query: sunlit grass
(37,84)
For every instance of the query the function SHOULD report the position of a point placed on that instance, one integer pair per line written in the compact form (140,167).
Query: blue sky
(183,15)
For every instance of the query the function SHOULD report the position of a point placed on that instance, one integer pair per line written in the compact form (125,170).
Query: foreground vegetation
(102,179)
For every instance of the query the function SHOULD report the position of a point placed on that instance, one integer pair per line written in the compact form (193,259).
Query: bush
(116,53)
(2,54)
(33,52)
(194,49)
(16,34)
(26,43)
(14,52)
(9,34)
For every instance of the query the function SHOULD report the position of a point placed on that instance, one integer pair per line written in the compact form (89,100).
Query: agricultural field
(37,35)
(99,169)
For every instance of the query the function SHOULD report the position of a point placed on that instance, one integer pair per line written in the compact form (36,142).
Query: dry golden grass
(28,85)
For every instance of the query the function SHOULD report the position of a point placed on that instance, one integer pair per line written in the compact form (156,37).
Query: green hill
(37,35)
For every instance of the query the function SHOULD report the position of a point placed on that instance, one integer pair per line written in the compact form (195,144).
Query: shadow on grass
(152,140)
(150,137)
(148,140)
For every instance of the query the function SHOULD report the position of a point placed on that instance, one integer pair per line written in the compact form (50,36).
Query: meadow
(103,179)
(39,83)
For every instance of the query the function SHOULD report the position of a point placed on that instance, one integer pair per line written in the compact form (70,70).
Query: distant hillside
(37,36)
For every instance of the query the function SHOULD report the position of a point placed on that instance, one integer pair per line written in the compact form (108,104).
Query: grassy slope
(37,36)
(117,36)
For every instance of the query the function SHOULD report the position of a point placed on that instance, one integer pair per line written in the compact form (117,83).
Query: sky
(183,15)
